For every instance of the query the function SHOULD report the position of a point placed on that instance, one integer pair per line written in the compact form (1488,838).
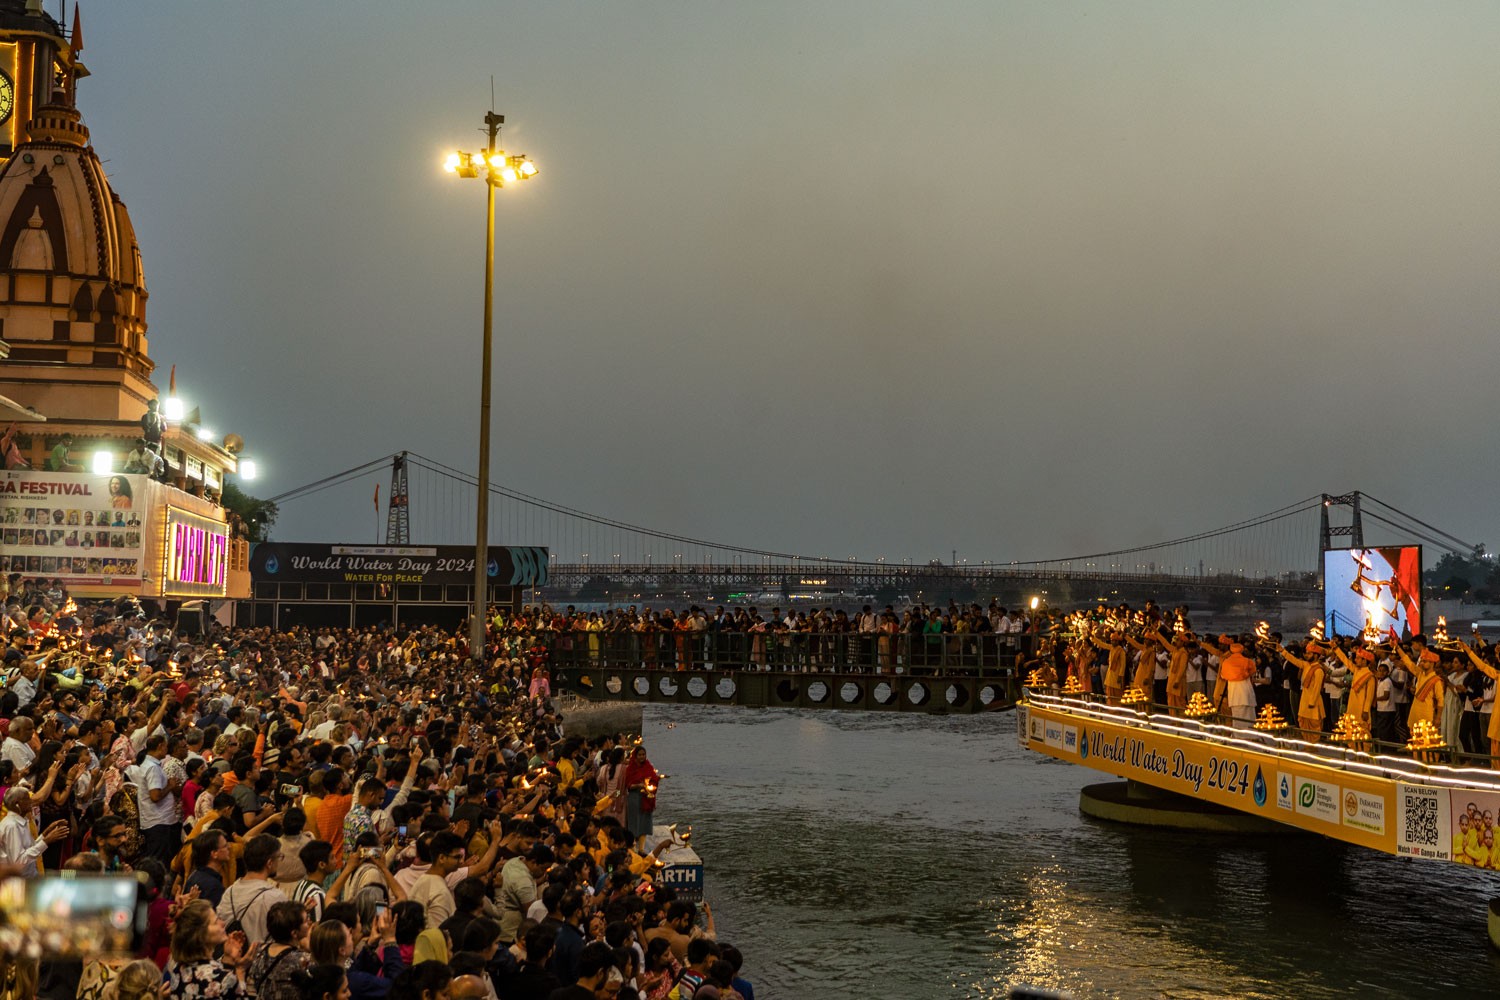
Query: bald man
(468,988)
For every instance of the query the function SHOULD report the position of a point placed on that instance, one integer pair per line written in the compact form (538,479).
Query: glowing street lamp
(102,463)
(248,469)
(496,169)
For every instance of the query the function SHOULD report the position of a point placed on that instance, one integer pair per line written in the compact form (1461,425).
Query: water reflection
(904,856)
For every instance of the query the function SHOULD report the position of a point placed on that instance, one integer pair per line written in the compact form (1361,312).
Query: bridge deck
(1390,804)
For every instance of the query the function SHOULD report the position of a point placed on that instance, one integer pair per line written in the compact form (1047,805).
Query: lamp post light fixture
(497,169)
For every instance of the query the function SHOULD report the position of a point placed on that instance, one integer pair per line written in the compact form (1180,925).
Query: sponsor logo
(1052,734)
(1070,739)
(1260,788)
(1284,790)
(1318,799)
(1364,812)
(1083,745)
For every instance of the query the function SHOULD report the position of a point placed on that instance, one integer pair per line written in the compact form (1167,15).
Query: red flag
(75,40)
(377,498)
(172,381)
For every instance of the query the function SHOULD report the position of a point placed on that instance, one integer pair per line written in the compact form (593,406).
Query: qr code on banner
(1420,816)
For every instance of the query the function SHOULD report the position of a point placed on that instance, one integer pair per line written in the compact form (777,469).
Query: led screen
(1379,587)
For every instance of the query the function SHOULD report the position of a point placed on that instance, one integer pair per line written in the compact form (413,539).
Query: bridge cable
(1452,538)
(537,502)
(333,480)
(1301,506)
(1416,534)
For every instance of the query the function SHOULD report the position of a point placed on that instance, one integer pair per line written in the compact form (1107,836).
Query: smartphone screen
(71,914)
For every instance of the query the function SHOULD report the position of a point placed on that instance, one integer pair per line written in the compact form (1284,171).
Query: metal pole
(482,506)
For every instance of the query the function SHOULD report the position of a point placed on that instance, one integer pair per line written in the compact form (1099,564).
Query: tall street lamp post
(496,169)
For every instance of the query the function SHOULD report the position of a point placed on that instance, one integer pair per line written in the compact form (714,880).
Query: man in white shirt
(407,877)
(17,845)
(335,716)
(23,683)
(431,889)
(156,804)
(17,745)
(1383,718)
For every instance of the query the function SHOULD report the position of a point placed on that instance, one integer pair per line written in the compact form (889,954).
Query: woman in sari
(640,780)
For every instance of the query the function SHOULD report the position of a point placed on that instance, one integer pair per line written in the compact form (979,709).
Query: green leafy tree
(1457,574)
(258,515)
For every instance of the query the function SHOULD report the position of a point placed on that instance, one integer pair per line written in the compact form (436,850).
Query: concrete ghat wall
(592,719)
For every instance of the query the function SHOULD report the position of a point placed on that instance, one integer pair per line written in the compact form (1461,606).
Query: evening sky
(848,278)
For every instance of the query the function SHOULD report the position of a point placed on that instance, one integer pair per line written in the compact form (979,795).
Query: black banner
(309,562)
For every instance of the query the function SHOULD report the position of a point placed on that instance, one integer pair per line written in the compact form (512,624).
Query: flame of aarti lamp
(1425,736)
(1350,730)
(1269,720)
(1198,706)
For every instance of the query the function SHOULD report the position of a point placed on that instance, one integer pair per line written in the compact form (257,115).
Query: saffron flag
(75,40)
(377,498)
(172,381)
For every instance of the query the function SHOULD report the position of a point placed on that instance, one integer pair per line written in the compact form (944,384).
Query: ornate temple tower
(72,294)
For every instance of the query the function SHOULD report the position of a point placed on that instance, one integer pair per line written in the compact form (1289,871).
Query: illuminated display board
(196,561)
(1378,589)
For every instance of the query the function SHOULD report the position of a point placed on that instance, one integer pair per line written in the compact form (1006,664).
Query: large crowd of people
(820,638)
(333,814)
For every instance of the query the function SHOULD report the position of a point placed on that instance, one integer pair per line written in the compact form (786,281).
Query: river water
(909,856)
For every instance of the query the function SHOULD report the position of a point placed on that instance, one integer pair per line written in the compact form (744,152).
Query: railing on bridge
(979,654)
(914,673)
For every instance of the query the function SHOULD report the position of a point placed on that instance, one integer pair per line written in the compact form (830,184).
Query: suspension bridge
(597,558)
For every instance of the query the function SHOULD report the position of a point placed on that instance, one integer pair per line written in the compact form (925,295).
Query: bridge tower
(397,521)
(1354,530)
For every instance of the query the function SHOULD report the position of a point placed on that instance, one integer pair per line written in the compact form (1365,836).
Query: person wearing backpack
(246,902)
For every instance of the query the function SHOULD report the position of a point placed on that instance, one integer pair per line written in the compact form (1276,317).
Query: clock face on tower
(7,97)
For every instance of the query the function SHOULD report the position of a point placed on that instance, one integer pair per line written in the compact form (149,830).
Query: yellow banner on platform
(1393,816)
